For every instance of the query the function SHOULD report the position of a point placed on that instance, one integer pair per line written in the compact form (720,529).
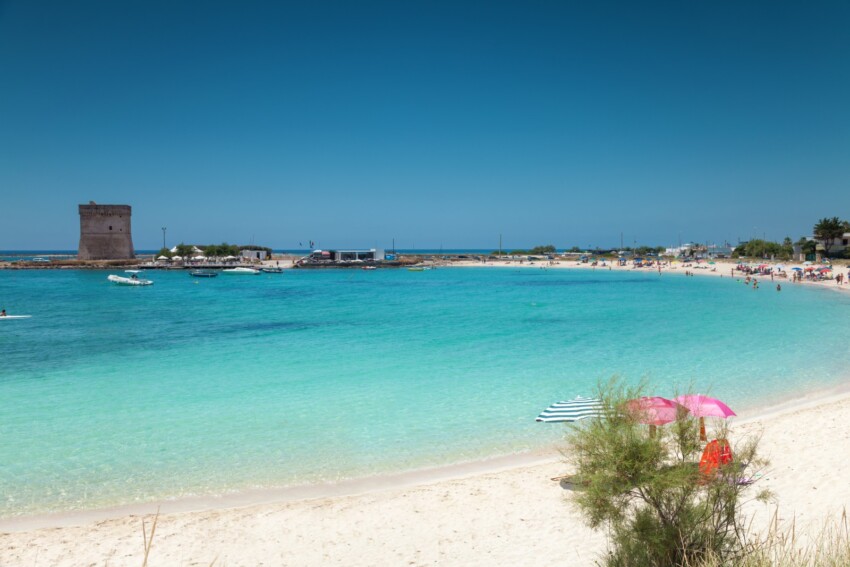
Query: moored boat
(271,270)
(203,273)
(133,281)
(241,272)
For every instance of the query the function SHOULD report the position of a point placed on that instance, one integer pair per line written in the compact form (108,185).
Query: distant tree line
(550,249)
(536,251)
(644,250)
(826,231)
(759,248)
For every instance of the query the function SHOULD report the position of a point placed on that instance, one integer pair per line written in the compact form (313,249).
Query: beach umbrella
(796,269)
(572,410)
(703,406)
(653,410)
(162,258)
(177,258)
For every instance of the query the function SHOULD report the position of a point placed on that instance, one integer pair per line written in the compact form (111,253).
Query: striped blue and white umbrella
(572,410)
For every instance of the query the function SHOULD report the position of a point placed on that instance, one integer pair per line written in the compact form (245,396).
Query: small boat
(134,281)
(241,272)
(3,317)
(203,273)
(271,270)
(369,268)
(416,269)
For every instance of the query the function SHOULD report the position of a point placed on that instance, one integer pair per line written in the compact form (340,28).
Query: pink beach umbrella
(703,406)
(653,410)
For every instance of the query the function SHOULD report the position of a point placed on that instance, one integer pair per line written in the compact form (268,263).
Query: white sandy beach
(722,269)
(508,516)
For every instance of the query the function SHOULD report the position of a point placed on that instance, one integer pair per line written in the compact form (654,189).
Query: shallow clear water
(112,395)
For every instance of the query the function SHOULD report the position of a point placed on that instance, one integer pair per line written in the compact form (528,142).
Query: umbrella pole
(651,431)
(702,436)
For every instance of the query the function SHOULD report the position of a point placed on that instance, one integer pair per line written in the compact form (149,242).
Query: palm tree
(828,230)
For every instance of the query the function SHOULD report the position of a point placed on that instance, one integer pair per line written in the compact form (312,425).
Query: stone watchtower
(105,232)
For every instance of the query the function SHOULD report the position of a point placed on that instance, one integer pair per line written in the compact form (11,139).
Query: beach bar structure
(105,232)
(371,255)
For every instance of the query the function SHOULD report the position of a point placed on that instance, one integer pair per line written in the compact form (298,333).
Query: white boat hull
(241,272)
(118,280)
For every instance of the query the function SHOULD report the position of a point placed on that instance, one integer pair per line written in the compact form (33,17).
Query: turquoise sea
(113,395)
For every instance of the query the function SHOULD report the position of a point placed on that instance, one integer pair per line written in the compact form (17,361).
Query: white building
(838,247)
(254,254)
(371,255)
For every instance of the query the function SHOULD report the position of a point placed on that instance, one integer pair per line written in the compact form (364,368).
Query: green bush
(648,493)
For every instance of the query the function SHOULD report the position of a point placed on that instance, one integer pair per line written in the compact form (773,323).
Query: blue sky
(434,123)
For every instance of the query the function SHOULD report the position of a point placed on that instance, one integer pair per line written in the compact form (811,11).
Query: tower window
(110,227)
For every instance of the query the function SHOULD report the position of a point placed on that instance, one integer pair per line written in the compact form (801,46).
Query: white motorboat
(241,272)
(119,280)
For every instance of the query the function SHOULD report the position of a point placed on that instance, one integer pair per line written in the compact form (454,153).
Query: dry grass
(148,541)
(830,547)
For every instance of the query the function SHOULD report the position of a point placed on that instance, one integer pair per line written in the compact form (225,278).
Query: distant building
(686,249)
(725,251)
(254,254)
(371,255)
(838,247)
(105,232)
